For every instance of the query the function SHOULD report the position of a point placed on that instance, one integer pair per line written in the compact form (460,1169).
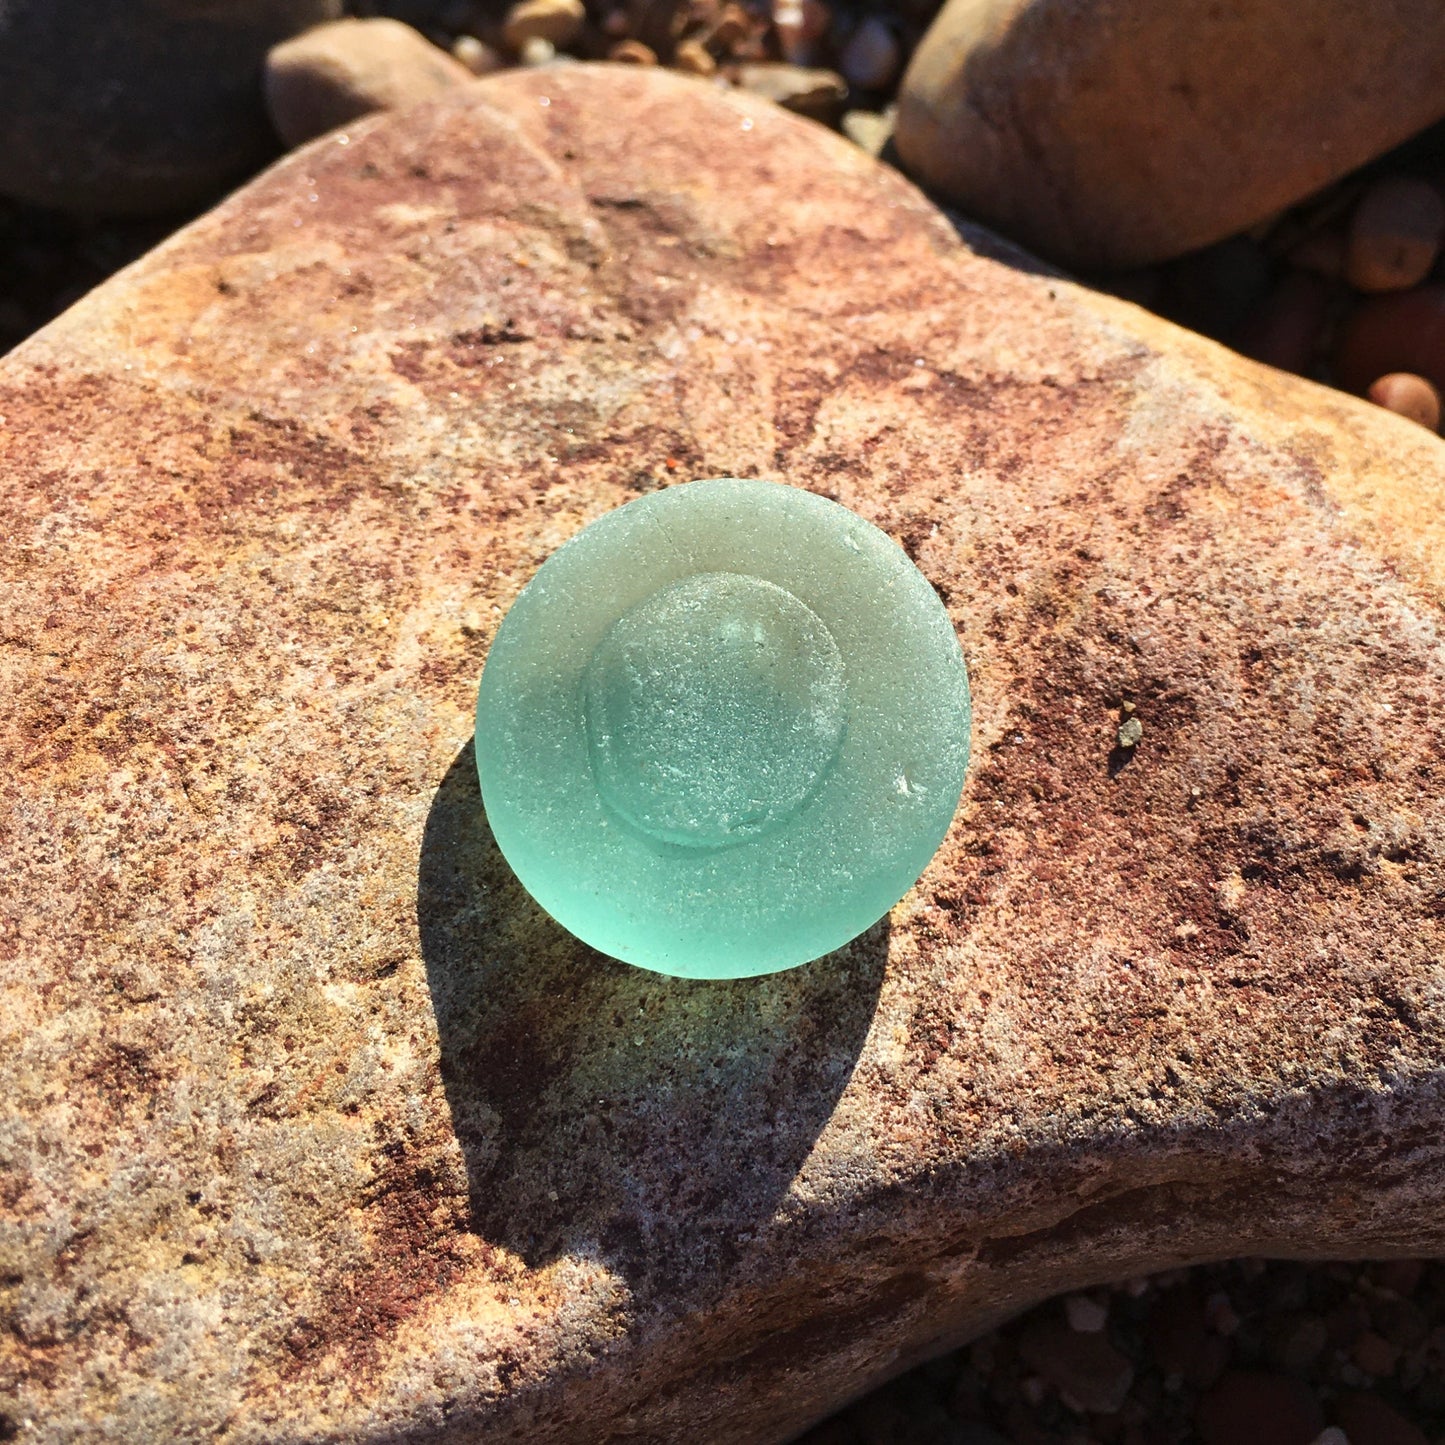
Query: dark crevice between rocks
(607,1112)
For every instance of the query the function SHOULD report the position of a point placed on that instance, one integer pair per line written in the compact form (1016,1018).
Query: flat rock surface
(317,1130)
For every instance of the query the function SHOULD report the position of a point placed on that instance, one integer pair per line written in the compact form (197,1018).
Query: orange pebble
(632,52)
(1410,396)
(1395,235)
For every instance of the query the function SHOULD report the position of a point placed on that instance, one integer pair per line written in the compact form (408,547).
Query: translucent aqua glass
(723,729)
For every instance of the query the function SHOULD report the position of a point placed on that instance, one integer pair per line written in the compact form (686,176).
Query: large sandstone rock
(316,1129)
(1121,132)
(136,106)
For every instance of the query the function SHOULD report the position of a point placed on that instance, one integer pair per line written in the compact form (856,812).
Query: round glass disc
(723,729)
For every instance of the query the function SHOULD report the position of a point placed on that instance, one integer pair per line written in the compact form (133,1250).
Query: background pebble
(335,73)
(1395,235)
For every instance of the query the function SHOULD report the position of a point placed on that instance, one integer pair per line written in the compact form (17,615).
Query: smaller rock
(1130,732)
(1395,235)
(731,26)
(1409,396)
(556,21)
(693,57)
(1375,1355)
(334,73)
(818,94)
(1258,1407)
(1086,1314)
(476,55)
(871,58)
(632,52)
(870,130)
(537,50)
(1090,1375)
(1368,1420)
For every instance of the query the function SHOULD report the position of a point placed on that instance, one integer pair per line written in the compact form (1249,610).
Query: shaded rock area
(1249,1350)
(137,107)
(1130,131)
(318,1130)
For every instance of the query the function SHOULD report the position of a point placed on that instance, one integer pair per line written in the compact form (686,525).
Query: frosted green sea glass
(723,729)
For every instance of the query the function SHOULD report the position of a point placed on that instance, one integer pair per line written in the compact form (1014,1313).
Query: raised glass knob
(723,729)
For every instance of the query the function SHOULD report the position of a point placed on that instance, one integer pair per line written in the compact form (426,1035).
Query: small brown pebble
(1409,396)
(555,21)
(1395,235)
(732,25)
(632,52)
(1368,1420)
(1261,1408)
(816,93)
(1401,332)
(476,55)
(693,57)
(1375,1355)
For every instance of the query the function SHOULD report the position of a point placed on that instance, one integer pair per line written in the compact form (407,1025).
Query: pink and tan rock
(1124,132)
(316,1129)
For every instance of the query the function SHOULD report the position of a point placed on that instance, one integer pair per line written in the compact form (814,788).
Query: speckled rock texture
(1122,132)
(315,1129)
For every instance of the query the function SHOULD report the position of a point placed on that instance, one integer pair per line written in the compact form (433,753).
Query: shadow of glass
(607,1111)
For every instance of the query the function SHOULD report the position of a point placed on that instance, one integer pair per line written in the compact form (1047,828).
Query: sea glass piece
(723,729)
